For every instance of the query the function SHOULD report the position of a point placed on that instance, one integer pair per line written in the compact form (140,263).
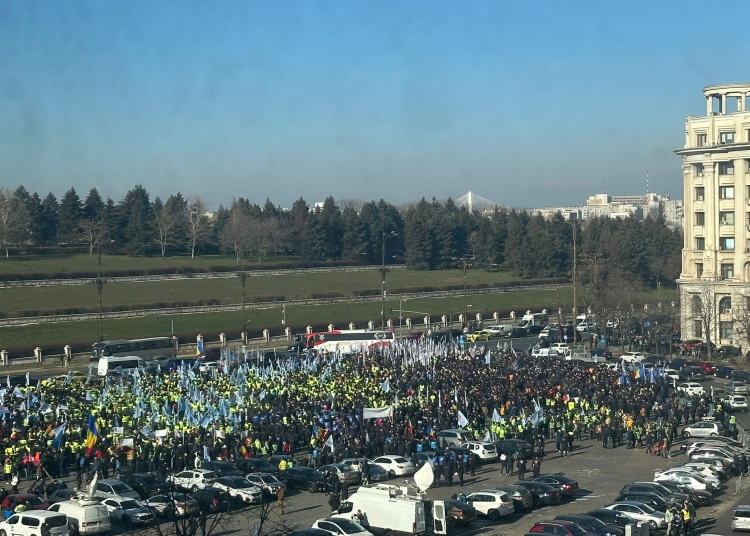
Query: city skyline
(534,105)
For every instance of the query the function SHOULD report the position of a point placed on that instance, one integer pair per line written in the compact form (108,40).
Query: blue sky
(526,103)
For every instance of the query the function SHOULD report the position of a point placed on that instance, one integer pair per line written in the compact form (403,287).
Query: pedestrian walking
(521,469)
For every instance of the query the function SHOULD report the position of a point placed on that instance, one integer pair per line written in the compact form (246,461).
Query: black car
(259,465)
(544,494)
(304,478)
(655,487)
(591,524)
(447,335)
(515,448)
(534,330)
(741,376)
(655,501)
(514,333)
(567,486)
(173,364)
(724,372)
(693,374)
(677,363)
(146,484)
(699,497)
(222,468)
(458,513)
(612,517)
(212,500)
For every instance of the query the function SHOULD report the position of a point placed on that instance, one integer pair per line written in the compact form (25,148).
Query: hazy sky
(526,103)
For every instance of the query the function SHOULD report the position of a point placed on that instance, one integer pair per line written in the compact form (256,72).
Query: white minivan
(84,517)
(125,365)
(35,523)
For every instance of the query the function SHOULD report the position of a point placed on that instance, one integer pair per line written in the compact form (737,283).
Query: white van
(84,517)
(35,523)
(126,365)
(388,509)
(540,352)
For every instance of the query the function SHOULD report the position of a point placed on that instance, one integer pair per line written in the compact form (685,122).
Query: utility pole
(386,236)
(100,288)
(243,279)
(575,269)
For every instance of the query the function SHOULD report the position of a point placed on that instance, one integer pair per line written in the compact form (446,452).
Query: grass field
(28,264)
(229,290)
(52,337)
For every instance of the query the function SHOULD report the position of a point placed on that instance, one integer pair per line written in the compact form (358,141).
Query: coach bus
(143,348)
(344,341)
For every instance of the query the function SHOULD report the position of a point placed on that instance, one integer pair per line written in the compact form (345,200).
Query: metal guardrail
(31,320)
(198,275)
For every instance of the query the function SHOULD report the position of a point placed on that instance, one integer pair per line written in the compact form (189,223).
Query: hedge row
(471,286)
(183,270)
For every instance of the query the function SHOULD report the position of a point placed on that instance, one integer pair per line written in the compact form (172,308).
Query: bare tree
(266,236)
(14,219)
(703,305)
(197,222)
(164,227)
(356,204)
(236,234)
(92,231)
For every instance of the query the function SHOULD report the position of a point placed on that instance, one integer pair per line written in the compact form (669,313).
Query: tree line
(426,235)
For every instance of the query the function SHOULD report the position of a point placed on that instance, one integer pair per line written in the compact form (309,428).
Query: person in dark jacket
(521,466)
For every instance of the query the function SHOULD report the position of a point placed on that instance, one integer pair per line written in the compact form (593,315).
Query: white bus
(346,341)
(145,348)
(125,364)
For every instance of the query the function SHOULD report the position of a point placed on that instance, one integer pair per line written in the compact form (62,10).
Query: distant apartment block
(716,253)
(622,206)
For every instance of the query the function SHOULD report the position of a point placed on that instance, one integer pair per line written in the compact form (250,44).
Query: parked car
(128,511)
(566,486)
(110,487)
(146,484)
(338,526)
(484,450)
(701,429)
(34,522)
(521,497)
(741,518)
(641,512)
(693,374)
(492,503)
(11,501)
(171,505)
(612,517)
(735,388)
(212,499)
(691,388)
(591,524)
(192,479)
(544,494)
(701,498)
(239,489)
(657,488)
(257,465)
(269,484)
(735,402)
(559,527)
(374,471)
(305,478)
(694,482)
(449,438)
(533,330)
(478,336)
(60,495)
(346,473)
(458,513)
(708,367)
(395,465)
(222,468)
(724,372)
(655,501)
(633,357)
(741,376)
(515,333)
(515,448)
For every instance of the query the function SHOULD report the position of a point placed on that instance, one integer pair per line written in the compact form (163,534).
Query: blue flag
(59,435)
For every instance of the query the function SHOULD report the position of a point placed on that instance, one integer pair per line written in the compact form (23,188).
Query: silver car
(735,388)
(741,518)
(641,512)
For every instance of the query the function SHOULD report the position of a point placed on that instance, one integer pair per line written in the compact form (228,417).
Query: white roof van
(84,517)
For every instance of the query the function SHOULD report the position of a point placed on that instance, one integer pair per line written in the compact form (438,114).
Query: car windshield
(270,479)
(129,505)
(595,523)
(400,460)
(56,521)
(34,500)
(576,530)
(348,527)
(646,508)
(345,468)
(240,484)
(120,488)
(209,474)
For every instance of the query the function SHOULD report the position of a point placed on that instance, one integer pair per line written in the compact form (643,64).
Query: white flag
(462,420)
(329,442)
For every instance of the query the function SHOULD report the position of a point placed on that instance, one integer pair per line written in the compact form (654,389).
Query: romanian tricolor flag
(93,433)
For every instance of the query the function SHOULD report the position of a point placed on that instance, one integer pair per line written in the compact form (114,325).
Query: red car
(11,501)
(708,367)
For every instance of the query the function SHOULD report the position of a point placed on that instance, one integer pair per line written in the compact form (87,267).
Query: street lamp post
(386,236)
(100,288)
(243,280)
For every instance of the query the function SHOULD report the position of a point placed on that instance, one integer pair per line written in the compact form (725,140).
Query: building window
(700,140)
(698,269)
(725,304)
(700,218)
(699,193)
(700,243)
(726,168)
(698,328)
(725,330)
(726,243)
(726,192)
(727,272)
(726,218)
(747,166)
(726,137)
(747,134)
(697,305)
(698,170)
